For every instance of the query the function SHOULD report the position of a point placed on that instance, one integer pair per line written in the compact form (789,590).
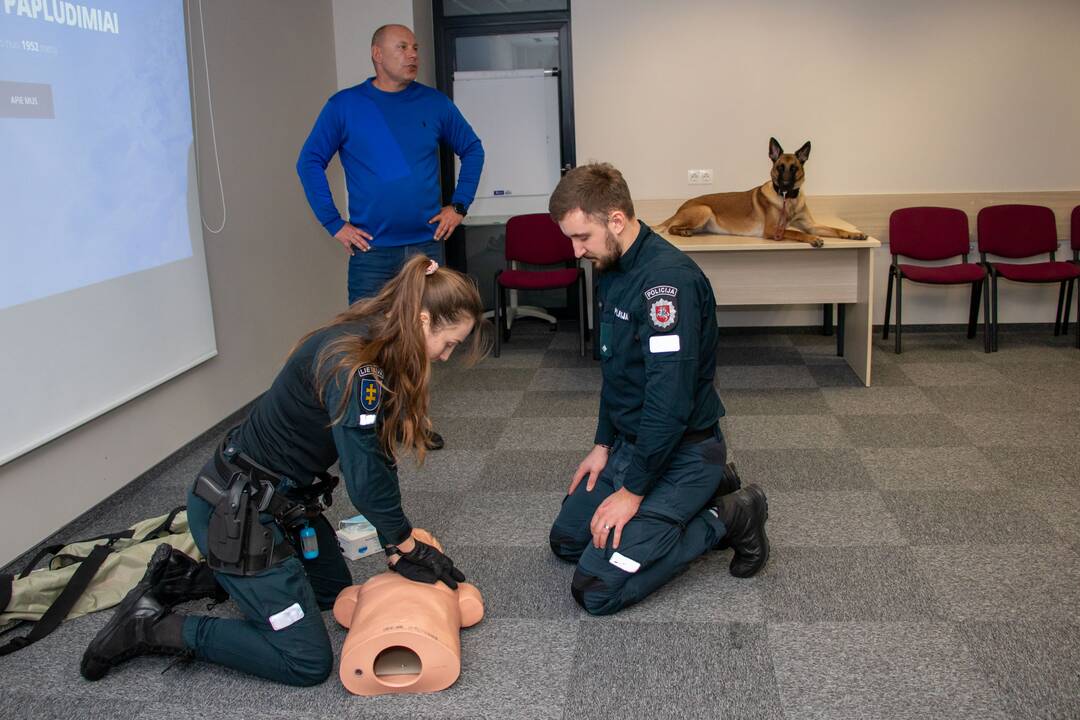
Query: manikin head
(592,207)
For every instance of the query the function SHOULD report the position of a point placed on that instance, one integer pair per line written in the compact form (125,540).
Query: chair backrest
(1017,231)
(537,240)
(928,233)
(1075,233)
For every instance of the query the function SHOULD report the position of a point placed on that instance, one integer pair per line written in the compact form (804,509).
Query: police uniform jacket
(658,338)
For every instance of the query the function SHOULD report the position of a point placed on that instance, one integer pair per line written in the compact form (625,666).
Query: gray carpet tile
(567,359)
(519,582)
(785,431)
(956,517)
(565,379)
(947,374)
(672,670)
(1003,582)
(753,355)
(1042,467)
(1037,673)
(804,469)
(1024,431)
(513,519)
(930,430)
(931,468)
(528,470)
(925,560)
(758,377)
(450,403)
(831,518)
(559,404)
(812,584)
(901,671)
(452,469)
(538,433)
(841,375)
(780,401)
(877,401)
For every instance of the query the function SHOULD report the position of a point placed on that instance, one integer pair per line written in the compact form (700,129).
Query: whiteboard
(516,115)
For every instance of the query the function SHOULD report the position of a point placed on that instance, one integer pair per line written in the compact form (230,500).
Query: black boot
(140,626)
(181,579)
(729,483)
(434,441)
(744,513)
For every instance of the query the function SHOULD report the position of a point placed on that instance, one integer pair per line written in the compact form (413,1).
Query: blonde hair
(395,342)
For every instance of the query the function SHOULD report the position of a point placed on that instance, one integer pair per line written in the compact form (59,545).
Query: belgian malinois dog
(776,210)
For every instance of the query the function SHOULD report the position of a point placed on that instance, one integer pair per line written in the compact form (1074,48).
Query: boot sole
(761,508)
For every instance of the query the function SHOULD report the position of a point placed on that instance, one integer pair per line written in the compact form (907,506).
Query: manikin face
(442,341)
(397,56)
(592,239)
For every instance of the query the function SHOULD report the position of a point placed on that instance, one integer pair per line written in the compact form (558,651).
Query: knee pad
(584,583)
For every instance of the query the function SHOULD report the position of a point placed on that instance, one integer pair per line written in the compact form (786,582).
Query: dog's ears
(775,150)
(803,153)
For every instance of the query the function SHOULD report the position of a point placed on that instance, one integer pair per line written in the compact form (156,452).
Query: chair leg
(1077,314)
(1060,307)
(497,325)
(899,295)
(973,313)
(1068,307)
(826,319)
(985,285)
(888,305)
(581,315)
(994,313)
(840,329)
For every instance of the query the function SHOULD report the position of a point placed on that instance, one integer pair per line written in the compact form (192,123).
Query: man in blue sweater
(387,131)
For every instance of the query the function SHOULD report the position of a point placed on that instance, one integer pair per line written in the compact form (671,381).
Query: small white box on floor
(357,538)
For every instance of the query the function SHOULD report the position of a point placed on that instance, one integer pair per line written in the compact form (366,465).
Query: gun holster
(238,543)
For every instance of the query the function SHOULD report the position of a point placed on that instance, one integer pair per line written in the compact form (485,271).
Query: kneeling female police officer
(350,391)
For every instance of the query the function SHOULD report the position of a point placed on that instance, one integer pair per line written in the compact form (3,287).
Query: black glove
(427,565)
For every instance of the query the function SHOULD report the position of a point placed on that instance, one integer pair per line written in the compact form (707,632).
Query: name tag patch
(290,615)
(624,563)
(622,314)
(664,343)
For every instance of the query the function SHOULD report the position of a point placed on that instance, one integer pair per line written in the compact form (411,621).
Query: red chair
(934,233)
(537,240)
(1021,231)
(1062,327)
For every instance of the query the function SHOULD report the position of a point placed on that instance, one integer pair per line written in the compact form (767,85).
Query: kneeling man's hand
(592,465)
(613,514)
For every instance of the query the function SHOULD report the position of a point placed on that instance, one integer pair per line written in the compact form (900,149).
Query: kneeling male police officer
(659,492)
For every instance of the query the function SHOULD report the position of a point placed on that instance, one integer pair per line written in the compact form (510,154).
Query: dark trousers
(671,528)
(299,654)
(369,271)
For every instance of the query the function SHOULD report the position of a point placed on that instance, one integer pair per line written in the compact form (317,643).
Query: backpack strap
(63,604)
(165,528)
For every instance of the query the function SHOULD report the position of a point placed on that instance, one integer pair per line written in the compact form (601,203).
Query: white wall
(273,271)
(356,20)
(918,96)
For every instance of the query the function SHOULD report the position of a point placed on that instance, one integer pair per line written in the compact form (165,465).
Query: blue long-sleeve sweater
(389,147)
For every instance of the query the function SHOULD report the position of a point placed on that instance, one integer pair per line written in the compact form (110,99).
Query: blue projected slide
(95,133)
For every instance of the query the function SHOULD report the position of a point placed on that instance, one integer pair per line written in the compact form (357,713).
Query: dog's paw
(817,242)
(684,232)
(859,236)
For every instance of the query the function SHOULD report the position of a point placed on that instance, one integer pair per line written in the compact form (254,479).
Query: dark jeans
(671,528)
(299,654)
(369,271)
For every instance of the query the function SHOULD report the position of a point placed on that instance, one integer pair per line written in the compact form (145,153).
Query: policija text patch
(660,306)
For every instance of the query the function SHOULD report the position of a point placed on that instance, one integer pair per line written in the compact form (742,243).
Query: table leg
(858,319)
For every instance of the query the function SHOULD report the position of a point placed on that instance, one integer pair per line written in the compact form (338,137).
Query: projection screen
(103,284)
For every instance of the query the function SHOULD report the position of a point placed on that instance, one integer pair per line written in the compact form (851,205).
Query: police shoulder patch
(660,305)
(369,388)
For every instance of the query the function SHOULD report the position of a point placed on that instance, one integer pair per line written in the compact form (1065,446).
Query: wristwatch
(460,209)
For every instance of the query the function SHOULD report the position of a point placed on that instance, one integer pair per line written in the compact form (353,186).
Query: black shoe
(744,513)
(434,441)
(729,483)
(140,626)
(181,579)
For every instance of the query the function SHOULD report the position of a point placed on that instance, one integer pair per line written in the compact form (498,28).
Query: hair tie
(431,268)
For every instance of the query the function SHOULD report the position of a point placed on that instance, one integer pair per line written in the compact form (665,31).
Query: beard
(611,255)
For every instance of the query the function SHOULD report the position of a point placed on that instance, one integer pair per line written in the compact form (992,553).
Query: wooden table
(755,271)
